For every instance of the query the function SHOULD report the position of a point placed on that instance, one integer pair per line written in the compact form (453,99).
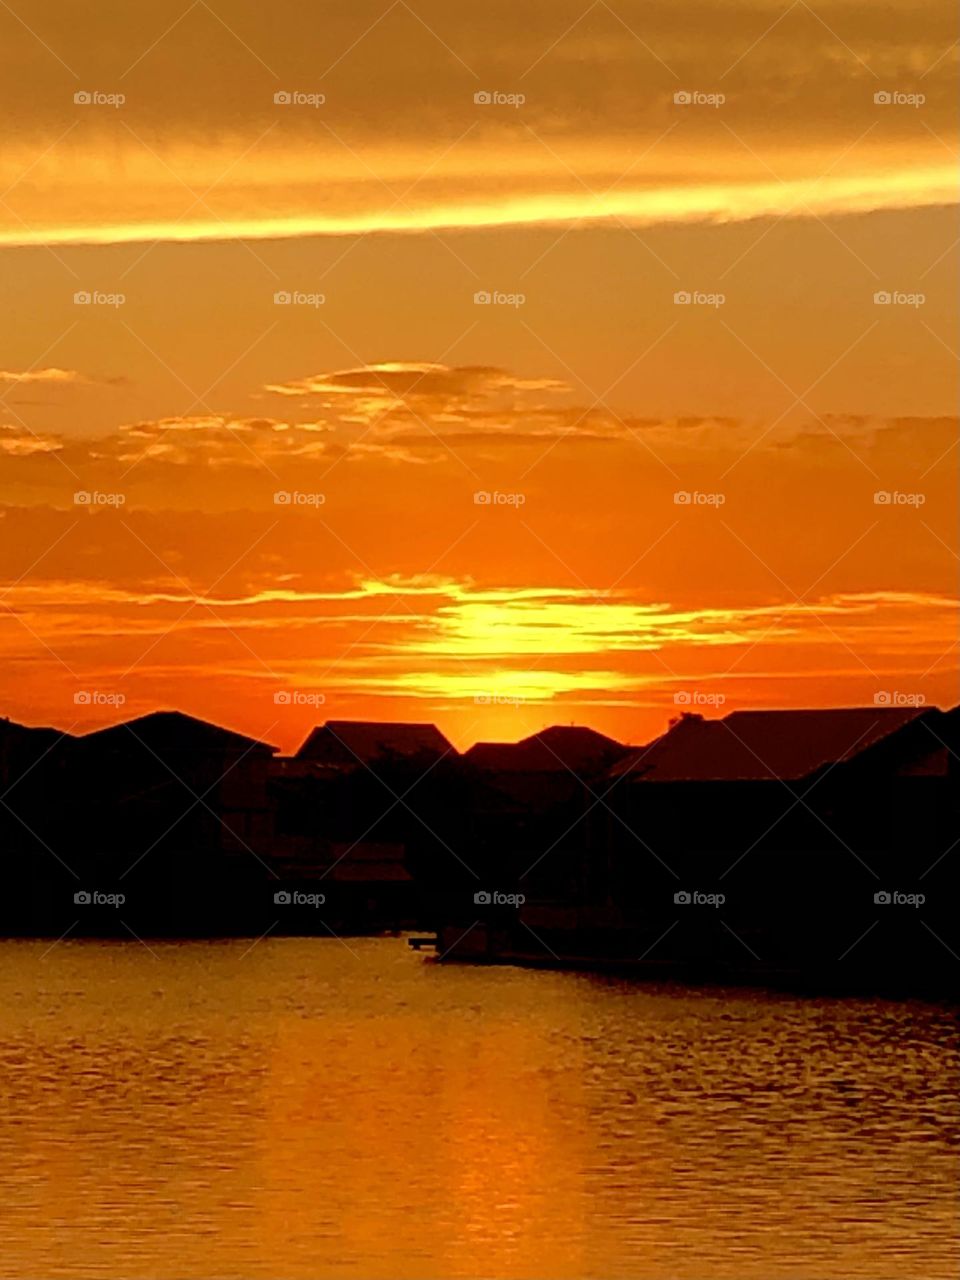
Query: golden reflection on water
(307,1109)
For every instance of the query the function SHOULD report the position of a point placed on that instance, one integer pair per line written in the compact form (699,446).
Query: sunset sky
(379,165)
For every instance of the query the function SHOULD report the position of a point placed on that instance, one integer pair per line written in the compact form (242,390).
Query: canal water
(318,1108)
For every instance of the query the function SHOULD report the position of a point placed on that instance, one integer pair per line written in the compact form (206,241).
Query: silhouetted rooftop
(561,747)
(758,745)
(364,741)
(37,736)
(165,731)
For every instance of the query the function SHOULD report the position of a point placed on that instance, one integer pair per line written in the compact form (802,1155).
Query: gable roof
(363,741)
(170,731)
(23,746)
(563,748)
(762,745)
(33,737)
(923,747)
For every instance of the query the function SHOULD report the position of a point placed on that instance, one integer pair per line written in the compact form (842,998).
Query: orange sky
(780,164)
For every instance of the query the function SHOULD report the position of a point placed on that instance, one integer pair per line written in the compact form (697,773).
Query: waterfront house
(35,831)
(374,744)
(178,808)
(372,810)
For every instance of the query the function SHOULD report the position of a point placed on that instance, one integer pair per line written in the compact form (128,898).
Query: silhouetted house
(365,807)
(756,806)
(760,844)
(759,746)
(22,747)
(750,781)
(560,749)
(32,761)
(358,743)
(901,795)
(529,797)
(34,827)
(175,807)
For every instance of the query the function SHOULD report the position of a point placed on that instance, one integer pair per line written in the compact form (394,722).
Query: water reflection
(304,1109)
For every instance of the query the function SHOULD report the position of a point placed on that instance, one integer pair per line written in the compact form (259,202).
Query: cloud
(401,379)
(889,186)
(43,375)
(17,442)
(404,412)
(400,145)
(431,637)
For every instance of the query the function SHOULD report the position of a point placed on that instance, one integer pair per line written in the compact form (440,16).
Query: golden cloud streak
(933,185)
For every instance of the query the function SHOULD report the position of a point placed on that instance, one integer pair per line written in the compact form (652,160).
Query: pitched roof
(922,748)
(363,741)
(166,731)
(33,737)
(559,748)
(762,745)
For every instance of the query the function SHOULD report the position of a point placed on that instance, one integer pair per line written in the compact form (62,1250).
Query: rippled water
(308,1108)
